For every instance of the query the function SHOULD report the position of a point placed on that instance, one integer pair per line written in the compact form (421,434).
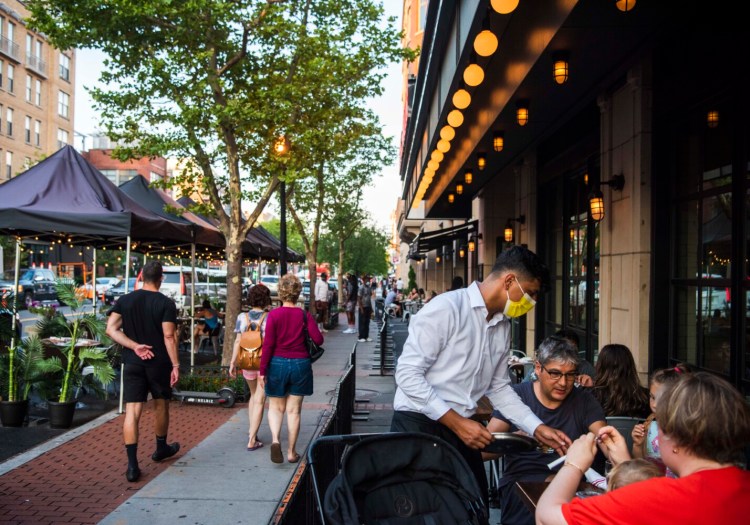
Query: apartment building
(37,90)
(100,156)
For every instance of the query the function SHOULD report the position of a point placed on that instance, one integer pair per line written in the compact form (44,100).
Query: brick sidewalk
(83,480)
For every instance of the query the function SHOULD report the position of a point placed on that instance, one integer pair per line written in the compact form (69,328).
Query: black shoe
(133,474)
(167,452)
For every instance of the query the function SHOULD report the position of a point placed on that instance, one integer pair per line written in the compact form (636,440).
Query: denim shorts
(287,376)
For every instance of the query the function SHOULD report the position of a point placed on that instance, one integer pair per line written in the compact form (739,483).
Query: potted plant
(21,371)
(81,348)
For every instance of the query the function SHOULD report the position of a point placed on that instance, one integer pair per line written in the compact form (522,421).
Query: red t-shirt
(709,496)
(284,336)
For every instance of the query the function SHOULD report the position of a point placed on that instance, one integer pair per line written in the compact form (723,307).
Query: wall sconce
(596,198)
(508,233)
(459,188)
(468,176)
(451,198)
(485,43)
(481,161)
(461,99)
(560,69)
(505,7)
(712,119)
(473,75)
(461,252)
(498,141)
(455,118)
(625,5)
(437,259)
(473,241)
(522,112)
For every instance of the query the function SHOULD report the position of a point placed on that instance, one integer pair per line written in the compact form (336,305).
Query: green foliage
(365,251)
(412,279)
(26,369)
(69,365)
(293,238)
(211,379)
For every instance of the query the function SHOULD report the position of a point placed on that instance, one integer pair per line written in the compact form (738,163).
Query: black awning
(427,241)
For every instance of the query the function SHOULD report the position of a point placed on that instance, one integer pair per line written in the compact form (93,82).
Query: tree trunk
(341,272)
(312,267)
(234,296)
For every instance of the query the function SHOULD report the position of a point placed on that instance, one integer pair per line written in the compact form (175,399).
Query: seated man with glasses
(552,398)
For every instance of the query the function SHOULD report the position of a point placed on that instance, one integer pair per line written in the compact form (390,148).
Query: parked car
(102,285)
(333,301)
(115,292)
(272,282)
(35,285)
(176,284)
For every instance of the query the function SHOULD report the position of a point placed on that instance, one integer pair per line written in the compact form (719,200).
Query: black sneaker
(167,452)
(133,474)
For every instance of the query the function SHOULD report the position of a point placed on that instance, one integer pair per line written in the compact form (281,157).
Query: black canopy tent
(266,244)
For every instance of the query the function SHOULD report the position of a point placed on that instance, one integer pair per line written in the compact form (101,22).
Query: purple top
(284,336)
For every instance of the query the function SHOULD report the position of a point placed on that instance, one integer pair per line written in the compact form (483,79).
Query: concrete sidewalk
(220,482)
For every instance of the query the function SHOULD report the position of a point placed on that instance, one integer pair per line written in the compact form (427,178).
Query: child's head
(631,471)
(661,378)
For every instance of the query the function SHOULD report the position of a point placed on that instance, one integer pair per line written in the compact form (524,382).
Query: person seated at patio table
(391,299)
(617,386)
(632,471)
(413,295)
(207,320)
(552,398)
(704,425)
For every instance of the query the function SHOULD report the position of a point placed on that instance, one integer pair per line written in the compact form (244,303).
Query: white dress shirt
(453,356)
(321,290)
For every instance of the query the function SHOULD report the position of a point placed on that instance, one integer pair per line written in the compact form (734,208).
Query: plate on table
(510,443)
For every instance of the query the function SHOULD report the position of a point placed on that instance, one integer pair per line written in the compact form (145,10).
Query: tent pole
(93,281)
(13,322)
(192,308)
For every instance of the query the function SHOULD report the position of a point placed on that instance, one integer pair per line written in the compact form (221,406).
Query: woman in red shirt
(285,367)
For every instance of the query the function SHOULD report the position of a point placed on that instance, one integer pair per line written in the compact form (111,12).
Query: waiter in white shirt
(457,351)
(321,301)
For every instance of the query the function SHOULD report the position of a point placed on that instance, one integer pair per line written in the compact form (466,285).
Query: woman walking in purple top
(285,367)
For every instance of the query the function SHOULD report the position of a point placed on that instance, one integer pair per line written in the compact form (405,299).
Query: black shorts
(139,380)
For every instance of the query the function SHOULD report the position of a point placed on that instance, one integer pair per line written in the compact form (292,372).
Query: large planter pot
(61,414)
(13,413)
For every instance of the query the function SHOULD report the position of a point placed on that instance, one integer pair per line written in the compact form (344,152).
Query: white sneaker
(361,340)
(369,339)
(324,331)
(349,331)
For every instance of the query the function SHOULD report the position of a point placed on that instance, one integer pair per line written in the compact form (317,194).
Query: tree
(412,279)
(217,82)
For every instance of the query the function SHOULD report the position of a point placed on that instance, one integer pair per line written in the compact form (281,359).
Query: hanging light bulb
(473,75)
(625,5)
(455,118)
(522,114)
(485,43)
(443,145)
(461,99)
(447,133)
(437,156)
(504,7)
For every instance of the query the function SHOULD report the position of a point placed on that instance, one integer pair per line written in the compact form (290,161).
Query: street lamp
(281,146)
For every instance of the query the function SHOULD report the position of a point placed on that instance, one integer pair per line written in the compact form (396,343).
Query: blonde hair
(632,471)
(289,288)
(706,415)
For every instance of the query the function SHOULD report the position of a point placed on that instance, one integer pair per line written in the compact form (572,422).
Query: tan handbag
(251,345)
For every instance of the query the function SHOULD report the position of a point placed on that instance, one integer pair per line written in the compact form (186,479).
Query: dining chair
(624,426)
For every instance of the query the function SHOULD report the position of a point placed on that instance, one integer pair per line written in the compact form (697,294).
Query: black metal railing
(299,505)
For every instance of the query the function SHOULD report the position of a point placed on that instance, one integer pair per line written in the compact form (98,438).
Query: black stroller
(398,478)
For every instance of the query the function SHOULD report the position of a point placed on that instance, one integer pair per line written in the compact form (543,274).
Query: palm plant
(21,368)
(80,325)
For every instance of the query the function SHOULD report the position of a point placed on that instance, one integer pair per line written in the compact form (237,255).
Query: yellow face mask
(518,308)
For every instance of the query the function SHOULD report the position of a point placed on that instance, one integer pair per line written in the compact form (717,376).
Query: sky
(380,198)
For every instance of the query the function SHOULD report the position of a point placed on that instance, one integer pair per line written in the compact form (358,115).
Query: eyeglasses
(556,375)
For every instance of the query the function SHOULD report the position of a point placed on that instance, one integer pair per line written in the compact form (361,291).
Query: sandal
(295,460)
(276,456)
(258,444)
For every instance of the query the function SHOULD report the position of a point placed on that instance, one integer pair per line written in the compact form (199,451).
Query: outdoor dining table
(64,342)
(531,491)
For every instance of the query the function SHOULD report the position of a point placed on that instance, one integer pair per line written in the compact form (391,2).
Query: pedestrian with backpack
(259,299)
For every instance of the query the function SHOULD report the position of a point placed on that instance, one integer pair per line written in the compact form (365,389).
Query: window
(111,175)
(11,72)
(9,121)
(38,133)
(26,163)
(27,129)
(29,44)
(65,67)
(2,71)
(63,104)
(62,138)
(422,14)
(8,165)
(38,91)
(11,35)
(28,88)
